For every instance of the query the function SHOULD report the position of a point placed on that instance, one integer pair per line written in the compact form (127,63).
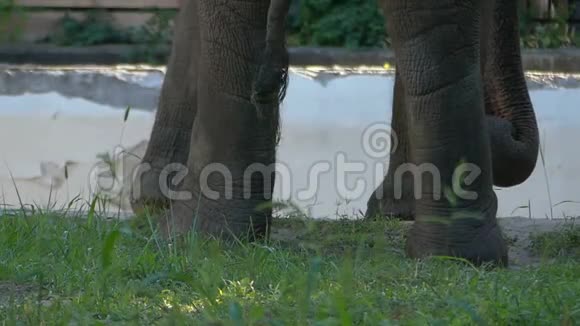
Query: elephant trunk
(510,115)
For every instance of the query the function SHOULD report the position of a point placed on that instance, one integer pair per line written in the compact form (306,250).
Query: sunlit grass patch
(89,271)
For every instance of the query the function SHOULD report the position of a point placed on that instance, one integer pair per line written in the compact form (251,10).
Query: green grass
(63,270)
(565,243)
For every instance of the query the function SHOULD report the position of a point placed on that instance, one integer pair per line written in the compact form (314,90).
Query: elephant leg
(394,198)
(438,57)
(510,115)
(170,137)
(230,176)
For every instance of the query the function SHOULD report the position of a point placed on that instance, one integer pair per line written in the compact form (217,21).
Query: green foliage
(98,28)
(154,38)
(95,29)
(335,23)
(556,244)
(341,23)
(157,30)
(554,34)
(11,21)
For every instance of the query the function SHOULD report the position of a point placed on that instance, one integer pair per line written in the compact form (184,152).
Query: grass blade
(108,247)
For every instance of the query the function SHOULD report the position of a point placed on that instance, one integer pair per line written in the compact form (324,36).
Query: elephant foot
(147,196)
(154,176)
(384,204)
(390,208)
(228,220)
(227,188)
(462,234)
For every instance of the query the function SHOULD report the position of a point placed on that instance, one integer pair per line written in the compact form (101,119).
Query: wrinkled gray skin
(510,118)
(460,97)
(171,134)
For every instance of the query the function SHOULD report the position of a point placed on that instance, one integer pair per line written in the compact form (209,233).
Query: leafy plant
(336,23)
(154,37)
(11,21)
(553,34)
(97,28)
(341,23)
(157,30)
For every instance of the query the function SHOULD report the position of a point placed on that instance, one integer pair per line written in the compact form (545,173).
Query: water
(65,121)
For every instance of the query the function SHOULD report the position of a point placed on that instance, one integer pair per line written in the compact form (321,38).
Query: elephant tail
(511,120)
(270,84)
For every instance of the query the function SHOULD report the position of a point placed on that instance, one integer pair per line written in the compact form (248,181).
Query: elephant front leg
(229,184)
(171,133)
(394,197)
(437,50)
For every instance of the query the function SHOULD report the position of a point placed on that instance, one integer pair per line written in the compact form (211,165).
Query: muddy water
(332,153)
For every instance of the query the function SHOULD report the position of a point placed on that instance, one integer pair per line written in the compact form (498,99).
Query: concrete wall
(553,60)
